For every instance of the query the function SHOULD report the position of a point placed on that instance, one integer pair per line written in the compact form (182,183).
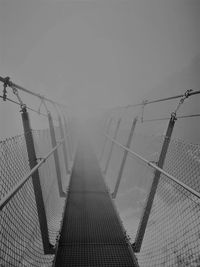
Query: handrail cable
(34,110)
(178,117)
(149,163)
(16,188)
(189,92)
(9,83)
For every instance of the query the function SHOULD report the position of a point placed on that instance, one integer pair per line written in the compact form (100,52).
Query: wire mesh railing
(20,234)
(172,233)
(183,162)
(13,164)
(21,242)
(160,205)
(34,178)
(52,200)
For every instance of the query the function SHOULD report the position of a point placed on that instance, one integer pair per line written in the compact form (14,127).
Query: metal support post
(112,145)
(67,134)
(149,202)
(64,145)
(124,158)
(48,248)
(56,156)
(105,140)
(71,140)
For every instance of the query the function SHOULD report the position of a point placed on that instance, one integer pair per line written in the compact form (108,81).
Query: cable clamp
(187,93)
(40,159)
(5,85)
(153,162)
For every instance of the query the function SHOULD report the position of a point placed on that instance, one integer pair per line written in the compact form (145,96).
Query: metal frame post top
(147,210)
(48,248)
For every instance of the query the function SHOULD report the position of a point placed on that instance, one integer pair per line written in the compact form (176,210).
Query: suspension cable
(8,83)
(34,110)
(178,117)
(191,92)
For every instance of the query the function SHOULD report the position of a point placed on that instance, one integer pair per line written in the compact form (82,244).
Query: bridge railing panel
(159,198)
(20,234)
(21,242)
(13,164)
(33,182)
(64,173)
(53,202)
(172,233)
(183,162)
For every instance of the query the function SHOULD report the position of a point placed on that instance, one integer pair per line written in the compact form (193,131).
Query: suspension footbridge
(58,205)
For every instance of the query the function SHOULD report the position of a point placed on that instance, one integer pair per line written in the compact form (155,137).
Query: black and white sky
(95,54)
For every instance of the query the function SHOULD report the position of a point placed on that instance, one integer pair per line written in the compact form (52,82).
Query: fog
(93,55)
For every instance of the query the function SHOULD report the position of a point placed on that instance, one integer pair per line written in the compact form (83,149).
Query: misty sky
(95,54)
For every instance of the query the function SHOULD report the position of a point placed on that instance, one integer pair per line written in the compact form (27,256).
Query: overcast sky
(96,54)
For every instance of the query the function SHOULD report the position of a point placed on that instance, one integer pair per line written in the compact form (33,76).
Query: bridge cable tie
(186,95)
(15,92)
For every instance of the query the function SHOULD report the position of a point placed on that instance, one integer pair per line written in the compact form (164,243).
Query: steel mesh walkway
(91,233)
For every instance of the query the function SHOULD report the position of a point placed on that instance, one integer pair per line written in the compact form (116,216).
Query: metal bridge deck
(91,234)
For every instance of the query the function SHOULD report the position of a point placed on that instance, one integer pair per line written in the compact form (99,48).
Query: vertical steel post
(67,134)
(105,139)
(124,158)
(56,156)
(112,145)
(64,145)
(149,202)
(48,248)
(69,129)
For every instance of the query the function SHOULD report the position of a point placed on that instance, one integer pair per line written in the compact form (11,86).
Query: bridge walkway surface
(91,233)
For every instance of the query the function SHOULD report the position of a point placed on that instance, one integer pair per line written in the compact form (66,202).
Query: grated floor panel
(91,234)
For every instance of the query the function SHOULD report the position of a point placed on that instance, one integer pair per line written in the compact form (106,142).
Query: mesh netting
(172,236)
(53,203)
(21,241)
(13,164)
(183,162)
